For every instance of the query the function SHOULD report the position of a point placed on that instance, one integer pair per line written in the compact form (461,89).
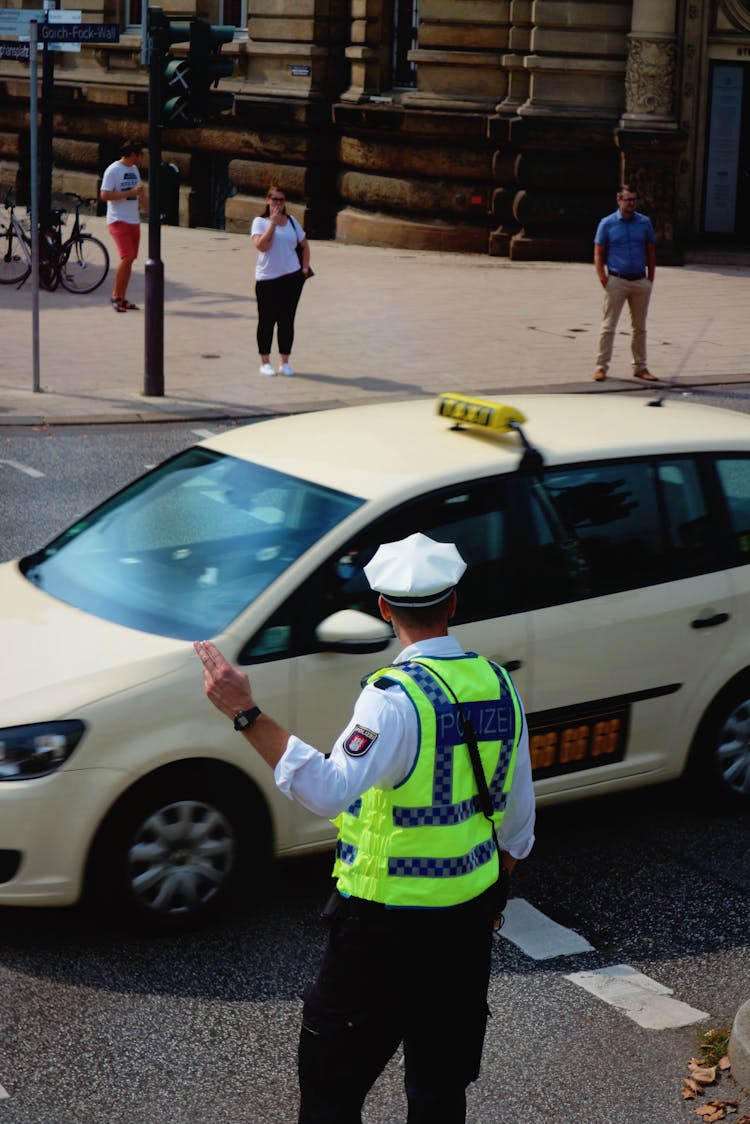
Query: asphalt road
(101,1027)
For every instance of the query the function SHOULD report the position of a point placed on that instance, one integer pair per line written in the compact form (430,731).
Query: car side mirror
(350,630)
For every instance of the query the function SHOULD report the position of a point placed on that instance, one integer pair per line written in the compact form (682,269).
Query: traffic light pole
(153,385)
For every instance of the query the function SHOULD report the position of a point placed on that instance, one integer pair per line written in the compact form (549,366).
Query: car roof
(372,451)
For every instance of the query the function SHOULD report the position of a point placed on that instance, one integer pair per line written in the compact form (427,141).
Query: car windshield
(181,551)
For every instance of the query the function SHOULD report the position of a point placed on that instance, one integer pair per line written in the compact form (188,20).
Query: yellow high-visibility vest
(426,842)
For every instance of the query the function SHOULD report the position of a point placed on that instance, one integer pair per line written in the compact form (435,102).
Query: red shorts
(127,238)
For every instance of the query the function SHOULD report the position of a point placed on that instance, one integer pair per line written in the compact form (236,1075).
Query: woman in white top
(278,278)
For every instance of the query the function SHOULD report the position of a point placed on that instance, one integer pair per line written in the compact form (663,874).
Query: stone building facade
(497,126)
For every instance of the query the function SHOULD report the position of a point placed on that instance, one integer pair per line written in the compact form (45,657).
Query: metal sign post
(34,202)
(48,94)
(153,382)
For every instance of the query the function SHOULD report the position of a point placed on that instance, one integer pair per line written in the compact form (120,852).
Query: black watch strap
(245,718)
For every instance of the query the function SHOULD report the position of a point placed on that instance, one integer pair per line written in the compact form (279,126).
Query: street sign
(15,21)
(11,50)
(79,32)
(43,18)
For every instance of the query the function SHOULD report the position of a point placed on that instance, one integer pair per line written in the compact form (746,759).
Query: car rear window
(734,475)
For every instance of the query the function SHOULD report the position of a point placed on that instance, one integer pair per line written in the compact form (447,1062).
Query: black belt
(626,276)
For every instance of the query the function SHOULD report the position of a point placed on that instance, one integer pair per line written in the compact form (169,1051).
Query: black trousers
(277,302)
(389,976)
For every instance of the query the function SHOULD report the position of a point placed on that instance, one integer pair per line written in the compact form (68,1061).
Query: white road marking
(643,1000)
(538,936)
(3,1093)
(27,469)
(203,433)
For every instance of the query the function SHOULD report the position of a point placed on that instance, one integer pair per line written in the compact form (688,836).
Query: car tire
(177,850)
(720,761)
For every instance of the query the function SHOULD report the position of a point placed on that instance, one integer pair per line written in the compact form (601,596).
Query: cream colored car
(609,568)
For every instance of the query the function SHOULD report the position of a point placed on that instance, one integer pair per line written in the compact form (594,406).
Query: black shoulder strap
(485,800)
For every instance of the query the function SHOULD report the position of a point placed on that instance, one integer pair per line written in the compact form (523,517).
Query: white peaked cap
(415,572)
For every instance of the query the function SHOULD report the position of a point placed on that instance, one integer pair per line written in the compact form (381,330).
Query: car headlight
(38,749)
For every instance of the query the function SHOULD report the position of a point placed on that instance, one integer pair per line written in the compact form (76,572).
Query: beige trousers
(617,292)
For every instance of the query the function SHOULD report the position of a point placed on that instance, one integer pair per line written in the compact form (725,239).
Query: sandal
(118,304)
(130,307)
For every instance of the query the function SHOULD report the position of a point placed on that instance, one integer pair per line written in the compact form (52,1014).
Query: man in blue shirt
(625,263)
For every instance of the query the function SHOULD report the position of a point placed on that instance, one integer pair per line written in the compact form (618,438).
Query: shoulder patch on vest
(360,740)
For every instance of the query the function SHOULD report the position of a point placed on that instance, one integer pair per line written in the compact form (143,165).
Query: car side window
(694,544)
(612,510)
(474,516)
(734,477)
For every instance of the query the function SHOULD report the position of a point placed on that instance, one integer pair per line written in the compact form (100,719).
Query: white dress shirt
(328,785)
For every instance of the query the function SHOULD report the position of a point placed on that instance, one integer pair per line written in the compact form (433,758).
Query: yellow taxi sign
(479,411)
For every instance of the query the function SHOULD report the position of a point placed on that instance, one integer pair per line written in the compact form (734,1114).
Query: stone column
(576,62)
(652,64)
(368,53)
(459,54)
(649,137)
(519,42)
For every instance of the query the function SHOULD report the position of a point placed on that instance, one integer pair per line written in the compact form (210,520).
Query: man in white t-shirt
(125,196)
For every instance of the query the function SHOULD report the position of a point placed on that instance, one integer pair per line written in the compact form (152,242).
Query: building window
(133,13)
(405,21)
(231,12)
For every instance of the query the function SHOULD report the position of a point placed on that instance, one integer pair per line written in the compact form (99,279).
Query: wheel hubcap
(181,857)
(733,750)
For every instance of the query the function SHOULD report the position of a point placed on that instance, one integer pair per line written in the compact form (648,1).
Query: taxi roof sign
(481,412)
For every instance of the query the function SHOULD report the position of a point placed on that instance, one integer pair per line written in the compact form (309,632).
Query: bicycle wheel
(14,265)
(84,264)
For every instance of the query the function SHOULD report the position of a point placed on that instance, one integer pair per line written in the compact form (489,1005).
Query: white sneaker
(267,369)
(286,369)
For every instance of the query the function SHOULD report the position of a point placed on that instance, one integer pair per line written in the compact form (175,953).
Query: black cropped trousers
(417,976)
(277,302)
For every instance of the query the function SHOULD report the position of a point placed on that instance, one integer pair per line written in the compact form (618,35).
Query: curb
(739,1046)
(208,413)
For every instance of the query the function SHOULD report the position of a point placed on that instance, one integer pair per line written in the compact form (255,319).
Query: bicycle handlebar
(78,198)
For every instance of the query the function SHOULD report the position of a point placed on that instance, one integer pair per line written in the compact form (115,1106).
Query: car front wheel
(174,851)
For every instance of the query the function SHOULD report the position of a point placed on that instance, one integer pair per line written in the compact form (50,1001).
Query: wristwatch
(244,719)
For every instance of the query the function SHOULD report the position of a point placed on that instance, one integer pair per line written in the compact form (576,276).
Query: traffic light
(175,86)
(206,68)
(186,80)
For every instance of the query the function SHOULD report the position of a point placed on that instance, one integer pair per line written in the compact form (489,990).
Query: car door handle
(512,665)
(709,622)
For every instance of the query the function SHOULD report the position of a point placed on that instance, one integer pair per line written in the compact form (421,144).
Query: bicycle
(15,260)
(80,263)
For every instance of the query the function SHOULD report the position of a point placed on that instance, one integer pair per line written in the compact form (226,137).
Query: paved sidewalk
(372,324)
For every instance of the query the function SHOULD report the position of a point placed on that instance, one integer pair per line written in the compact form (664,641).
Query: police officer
(430,788)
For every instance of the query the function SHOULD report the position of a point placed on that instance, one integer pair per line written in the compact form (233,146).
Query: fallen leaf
(694,1087)
(710,1112)
(724,1063)
(705,1074)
